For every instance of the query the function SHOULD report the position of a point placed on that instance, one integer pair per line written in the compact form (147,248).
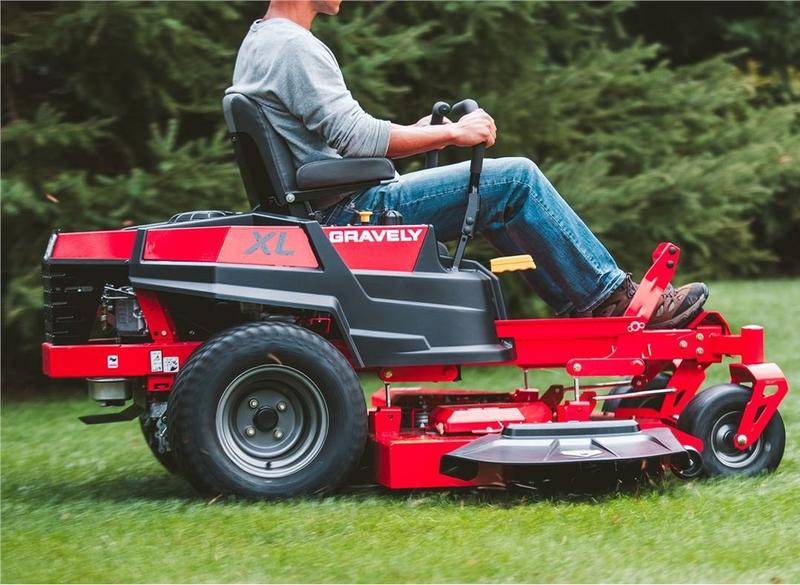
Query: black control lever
(473,199)
(439,111)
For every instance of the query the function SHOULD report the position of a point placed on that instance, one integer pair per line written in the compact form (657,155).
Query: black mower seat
(270,179)
(345,171)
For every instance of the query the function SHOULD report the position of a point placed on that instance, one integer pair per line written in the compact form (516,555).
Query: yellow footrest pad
(512,263)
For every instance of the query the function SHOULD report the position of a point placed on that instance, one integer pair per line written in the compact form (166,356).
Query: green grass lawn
(90,504)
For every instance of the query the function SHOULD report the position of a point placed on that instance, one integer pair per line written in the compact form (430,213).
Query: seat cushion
(344,171)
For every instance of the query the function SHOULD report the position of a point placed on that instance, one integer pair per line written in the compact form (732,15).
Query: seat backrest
(264,159)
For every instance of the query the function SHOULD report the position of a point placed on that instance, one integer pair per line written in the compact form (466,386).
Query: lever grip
(476,164)
(464,107)
(438,112)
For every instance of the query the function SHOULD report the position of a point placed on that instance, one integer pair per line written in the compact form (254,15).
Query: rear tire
(267,410)
(713,416)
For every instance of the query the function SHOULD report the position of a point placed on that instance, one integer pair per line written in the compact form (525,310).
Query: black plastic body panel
(429,316)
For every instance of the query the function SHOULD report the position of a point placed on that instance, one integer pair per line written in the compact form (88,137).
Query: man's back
(298,83)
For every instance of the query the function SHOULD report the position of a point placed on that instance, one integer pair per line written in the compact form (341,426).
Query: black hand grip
(464,107)
(476,165)
(438,112)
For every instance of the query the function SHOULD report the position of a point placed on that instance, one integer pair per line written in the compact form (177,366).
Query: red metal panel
(762,405)
(194,244)
(654,282)
(264,246)
(420,374)
(115,360)
(158,321)
(361,247)
(268,246)
(687,379)
(575,410)
(606,366)
(102,245)
(378,247)
(411,461)
(486,418)
(553,342)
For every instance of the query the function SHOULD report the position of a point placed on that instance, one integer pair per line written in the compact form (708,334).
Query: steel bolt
(577,367)
(278,434)
(281,406)
(741,440)
(700,337)
(700,351)
(253,403)
(683,344)
(250,431)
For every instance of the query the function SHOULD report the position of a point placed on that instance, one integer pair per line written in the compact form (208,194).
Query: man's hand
(475,128)
(470,130)
(426,121)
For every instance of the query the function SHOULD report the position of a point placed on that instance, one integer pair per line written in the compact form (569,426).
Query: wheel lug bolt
(253,403)
(278,434)
(250,431)
(281,406)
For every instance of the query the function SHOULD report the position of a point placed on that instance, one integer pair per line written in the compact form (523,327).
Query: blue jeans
(520,213)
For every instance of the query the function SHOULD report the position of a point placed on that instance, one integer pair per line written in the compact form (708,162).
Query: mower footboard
(554,342)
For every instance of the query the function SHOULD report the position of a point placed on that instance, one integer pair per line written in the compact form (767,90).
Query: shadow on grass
(154,487)
(163,487)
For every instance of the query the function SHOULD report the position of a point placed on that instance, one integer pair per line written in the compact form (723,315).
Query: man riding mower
(238,336)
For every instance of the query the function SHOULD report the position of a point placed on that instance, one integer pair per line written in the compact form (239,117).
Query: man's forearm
(410,140)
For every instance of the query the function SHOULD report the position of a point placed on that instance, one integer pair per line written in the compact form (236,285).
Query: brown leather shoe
(677,308)
(616,303)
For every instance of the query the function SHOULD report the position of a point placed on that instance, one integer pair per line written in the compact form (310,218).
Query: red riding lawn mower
(237,338)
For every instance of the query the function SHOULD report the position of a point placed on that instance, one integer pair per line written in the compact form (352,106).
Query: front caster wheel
(713,416)
(267,410)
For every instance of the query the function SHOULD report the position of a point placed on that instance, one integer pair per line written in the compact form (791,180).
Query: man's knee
(520,168)
(517,175)
(523,172)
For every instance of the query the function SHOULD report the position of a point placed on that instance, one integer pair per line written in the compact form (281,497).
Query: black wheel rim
(723,435)
(272,421)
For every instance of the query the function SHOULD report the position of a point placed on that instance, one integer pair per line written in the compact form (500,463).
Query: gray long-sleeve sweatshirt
(300,87)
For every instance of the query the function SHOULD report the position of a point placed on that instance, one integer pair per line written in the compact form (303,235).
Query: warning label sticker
(171,364)
(155,361)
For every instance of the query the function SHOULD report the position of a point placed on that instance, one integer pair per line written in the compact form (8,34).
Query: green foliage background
(110,117)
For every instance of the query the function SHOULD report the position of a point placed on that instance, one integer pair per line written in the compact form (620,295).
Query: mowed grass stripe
(90,504)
